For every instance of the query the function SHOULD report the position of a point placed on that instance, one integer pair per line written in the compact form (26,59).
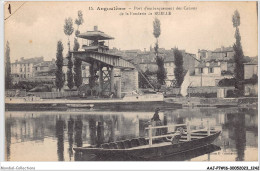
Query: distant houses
(206,68)
(38,70)
(146,60)
(23,69)
(251,78)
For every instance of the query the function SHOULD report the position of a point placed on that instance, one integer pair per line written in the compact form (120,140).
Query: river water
(51,135)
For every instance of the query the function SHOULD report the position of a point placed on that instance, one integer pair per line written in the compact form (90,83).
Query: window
(211,70)
(21,70)
(226,54)
(201,70)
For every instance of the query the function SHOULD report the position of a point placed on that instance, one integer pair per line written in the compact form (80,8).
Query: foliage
(68,30)
(28,85)
(68,26)
(69,72)
(227,82)
(236,19)
(80,19)
(253,80)
(8,78)
(59,81)
(239,55)
(77,62)
(161,73)
(77,72)
(224,72)
(178,70)
(156,28)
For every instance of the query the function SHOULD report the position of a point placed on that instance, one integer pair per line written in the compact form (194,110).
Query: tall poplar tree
(68,30)
(77,62)
(59,81)
(161,73)
(239,55)
(8,78)
(178,70)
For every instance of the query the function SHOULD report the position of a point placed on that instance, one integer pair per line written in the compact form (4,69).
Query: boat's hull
(151,152)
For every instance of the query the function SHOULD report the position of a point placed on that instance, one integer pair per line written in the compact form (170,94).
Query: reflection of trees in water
(60,125)
(240,136)
(70,135)
(237,132)
(100,131)
(92,130)
(8,125)
(78,131)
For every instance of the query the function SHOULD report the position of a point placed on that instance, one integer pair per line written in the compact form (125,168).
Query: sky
(34,29)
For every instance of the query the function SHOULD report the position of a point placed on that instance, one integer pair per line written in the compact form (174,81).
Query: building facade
(22,70)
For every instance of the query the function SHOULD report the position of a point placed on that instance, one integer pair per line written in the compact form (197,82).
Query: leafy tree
(79,22)
(77,62)
(161,73)
(239,55)
(59,81)
(68,30)
(8,78)
(69,72)
(178,70)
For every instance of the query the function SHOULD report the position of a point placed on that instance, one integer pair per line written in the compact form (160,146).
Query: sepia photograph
(131,81)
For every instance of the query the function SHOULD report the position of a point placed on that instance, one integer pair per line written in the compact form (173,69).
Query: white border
(98,165)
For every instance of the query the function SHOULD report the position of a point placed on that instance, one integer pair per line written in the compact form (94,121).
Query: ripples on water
(51,135)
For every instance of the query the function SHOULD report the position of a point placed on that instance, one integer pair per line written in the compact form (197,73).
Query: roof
(224,49)
(253,61)
(44,64)
(30,60)
(95,35)
(211,65)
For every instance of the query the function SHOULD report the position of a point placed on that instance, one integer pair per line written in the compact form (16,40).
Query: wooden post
(188,131)
(100,80)
(208,128)
(112,89)
(150,135)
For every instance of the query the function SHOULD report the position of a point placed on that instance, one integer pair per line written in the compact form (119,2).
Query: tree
(8,78)
(59,81)
(178,70)
(161,73)
(239,55)
(77,62)
(68,30)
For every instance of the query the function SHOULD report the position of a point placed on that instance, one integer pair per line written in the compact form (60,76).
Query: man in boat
(156,121)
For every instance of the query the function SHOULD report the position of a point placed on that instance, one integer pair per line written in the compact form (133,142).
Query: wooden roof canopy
(95,35)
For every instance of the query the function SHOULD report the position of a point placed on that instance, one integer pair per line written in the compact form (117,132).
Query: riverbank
(128,104)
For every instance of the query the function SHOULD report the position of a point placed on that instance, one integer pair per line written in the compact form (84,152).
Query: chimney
(95,28)
(222,48)
(22,58)
(144,49)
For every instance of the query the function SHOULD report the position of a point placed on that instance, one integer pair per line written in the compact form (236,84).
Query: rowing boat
(140,148)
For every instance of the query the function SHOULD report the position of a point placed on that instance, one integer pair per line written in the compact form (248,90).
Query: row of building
(37,70)
(206,68)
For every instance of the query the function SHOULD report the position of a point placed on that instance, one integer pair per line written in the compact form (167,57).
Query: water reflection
(60,126)
(8,125)
(238,126)
(70,136)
